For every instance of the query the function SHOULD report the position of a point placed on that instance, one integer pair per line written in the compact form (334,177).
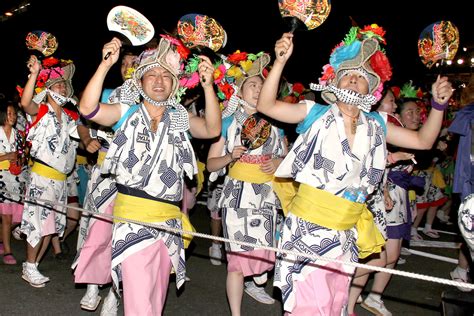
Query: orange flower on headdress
(237,57)
(50,61)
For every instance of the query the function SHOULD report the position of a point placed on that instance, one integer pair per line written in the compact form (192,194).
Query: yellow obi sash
(101,157)
(150,211)
(200,176)
(4,164)
(328,210)
(249,172)
(81,160)
(48,172)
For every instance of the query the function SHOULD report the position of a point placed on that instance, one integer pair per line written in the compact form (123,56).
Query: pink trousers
(95,260)
(253,262)
(145,278)
(323,292)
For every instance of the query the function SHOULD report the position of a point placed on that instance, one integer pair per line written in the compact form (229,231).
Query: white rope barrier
(247,244)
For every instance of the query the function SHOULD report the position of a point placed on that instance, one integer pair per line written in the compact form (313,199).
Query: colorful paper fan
(310,13)
(255,132)
(437,42)
(197,30)
(41,41)
(130,23)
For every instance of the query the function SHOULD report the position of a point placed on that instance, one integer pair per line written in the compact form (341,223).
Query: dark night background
(81,30)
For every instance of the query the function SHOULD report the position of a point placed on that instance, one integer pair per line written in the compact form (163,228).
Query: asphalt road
(205,293)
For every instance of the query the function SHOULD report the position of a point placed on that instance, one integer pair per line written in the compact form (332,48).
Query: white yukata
(321,158)
(155,163)
(52,145)
(9,181)
(249,209)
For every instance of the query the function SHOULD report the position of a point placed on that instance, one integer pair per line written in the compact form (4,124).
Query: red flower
(380,64)
(290,99)
(395,91)
(298,87)
(226,89)
(183,51)
(377,30)
(237,57)
(50,62)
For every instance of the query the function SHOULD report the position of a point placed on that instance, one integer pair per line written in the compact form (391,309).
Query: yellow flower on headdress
(234,72)
(246,65)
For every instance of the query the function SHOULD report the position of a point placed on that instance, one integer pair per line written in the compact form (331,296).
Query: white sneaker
(405,251)
(258,293)
(458,277)
(401,260)
(215,254)
(91,299)
(33,276)
(110,305)
(376,307)
(261,279)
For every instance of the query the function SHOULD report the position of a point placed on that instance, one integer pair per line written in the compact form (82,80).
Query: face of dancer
(387,104)
(11,116)
(251,89)
(157,83)
(60,88)
(127,63)
(355,81)
(410,115)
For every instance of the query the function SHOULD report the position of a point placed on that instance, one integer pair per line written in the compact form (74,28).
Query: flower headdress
(409,92)
(360,50)
(238,67)
(55,70)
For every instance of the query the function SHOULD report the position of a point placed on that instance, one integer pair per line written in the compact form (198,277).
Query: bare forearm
(91,96)
(217,163)
(429,131)
(213,113)
(267,97)
(27,96)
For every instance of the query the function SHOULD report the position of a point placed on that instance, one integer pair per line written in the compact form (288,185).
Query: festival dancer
(338,159)
(247,202)
(53,152)
(148,159)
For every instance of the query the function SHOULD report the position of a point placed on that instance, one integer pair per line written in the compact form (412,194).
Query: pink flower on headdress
(381,65)
(55,73)
(189,82)
(378,92)
(328,74)
(219,73)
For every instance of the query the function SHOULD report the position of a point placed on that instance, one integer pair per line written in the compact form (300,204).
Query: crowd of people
(347,178)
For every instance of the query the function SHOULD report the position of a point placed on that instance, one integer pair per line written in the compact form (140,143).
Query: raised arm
(267,102)
(217,161)
(427,134)
(210,125)
(26,101)
(91,109)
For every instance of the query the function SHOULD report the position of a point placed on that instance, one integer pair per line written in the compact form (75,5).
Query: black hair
(404,101)
(3,110)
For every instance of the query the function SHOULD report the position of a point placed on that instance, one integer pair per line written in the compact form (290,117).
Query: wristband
(93,113)
(437,106)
